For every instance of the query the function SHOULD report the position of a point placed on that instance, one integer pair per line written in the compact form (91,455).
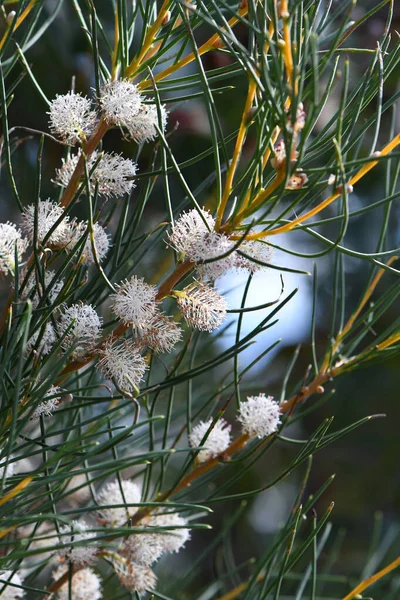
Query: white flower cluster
(123,106)
(123,492)
(73,119)
(136,578)
(135,302)
(259,417)
(85,584)
(11,592)
(38,220)
(122,363)
(163,533)
(47,407)
(218,438)
(79,325)
(194,238)
(202,306)
(101,242)
(112,174)
(78,544)
(11,243)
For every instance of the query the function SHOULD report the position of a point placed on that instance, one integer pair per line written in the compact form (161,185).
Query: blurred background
(366,488)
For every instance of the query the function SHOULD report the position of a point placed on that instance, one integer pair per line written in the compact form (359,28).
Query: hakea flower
(113,175)
(161,335)
(217,441)
(211,246)
(300,121)
(47,340)
(254,249)
(47,407)
(85,584)
(279,159)
(81,326)
(259,416)
(11,240)
(135,303)
(202,306)
(6,470)
(136,578)
(297,180)
(101,242)
(10,592)
(71,117)
(125,492)
(48,213)
(122,363)
(121,102)
(30,289)
(189,230)
(144,127)
(70,536)
(170,534)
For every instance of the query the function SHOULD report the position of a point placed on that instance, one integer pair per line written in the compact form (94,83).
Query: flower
(217,441)
(136,578)
(135,302)
(9,592)
(48,213)
(70,536)
(143,127)
(34,289)
(211,246)
(47,407)
(254,249)
(297,180)
(115,492)
(121,102)
(85,584)
(71,117)
(280,155)
(9,469)
(113,174)
(101,242)
(188,230)
(259,416)
(123,363)
(79,323)
(122,105)
(11,240)
(163,532)
(202,306)
(47,340)
(161,335)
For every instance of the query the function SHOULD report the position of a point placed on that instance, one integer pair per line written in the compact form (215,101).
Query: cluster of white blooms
(33,286)
(71,117)
(123,105)
(85,584)
(194,238)
(11,592)
(202,306)
(259,416)
(122,363)
(135,303)
(136,578)
(11,243)
(47,340)
(216,442)
(122,492)
(101,241)
(162,533)
(9,469)
(80,325)
(47,407)
(48,213)
(113,175)
(161,335)
(78,544)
